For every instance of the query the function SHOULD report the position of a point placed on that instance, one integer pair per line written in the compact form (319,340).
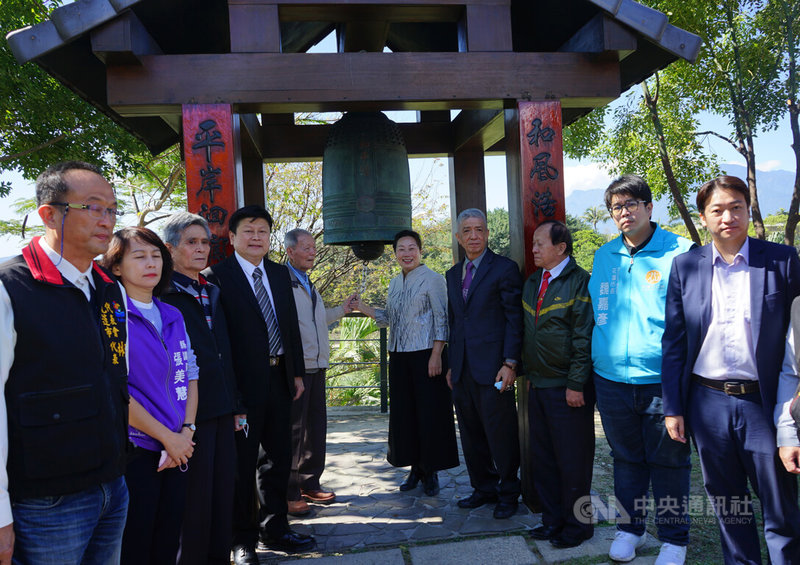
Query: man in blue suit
(727,313)
(485,313)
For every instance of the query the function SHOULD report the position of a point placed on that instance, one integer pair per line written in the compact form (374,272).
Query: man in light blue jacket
(628,289)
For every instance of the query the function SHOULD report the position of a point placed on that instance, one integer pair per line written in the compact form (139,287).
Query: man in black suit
(268,361)
(727,313)
(485,314)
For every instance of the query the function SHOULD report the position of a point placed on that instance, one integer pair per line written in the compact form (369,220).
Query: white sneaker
(671,554)
(623,548)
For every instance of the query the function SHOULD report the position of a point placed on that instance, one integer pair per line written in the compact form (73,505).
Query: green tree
(650,134)
(41,121)
(594,215)
(499,238)
(584,244)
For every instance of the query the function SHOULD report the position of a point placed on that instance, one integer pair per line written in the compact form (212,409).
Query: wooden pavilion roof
(138,61)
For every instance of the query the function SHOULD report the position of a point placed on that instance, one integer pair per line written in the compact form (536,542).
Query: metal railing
(382,362)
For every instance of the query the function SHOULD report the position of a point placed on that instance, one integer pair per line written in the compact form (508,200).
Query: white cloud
(770,165)
(584,177)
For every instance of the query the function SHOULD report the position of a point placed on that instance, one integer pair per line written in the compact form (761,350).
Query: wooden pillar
(467,186)
(534,168)
(249,165)
(208,148)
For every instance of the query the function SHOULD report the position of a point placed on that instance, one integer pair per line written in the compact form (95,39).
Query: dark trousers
(487,420)
(155,511)
(422,432)
(208,519)
(736,442)
(562,448)
(309,428)
(264,459)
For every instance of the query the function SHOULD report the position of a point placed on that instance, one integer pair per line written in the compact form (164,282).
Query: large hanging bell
(366,187)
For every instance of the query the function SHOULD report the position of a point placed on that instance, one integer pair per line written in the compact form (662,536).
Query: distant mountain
(774,193)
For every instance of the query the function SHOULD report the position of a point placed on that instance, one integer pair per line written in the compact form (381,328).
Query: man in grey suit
(485,313)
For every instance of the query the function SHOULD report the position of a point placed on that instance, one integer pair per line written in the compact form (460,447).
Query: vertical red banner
(541,151)
(210,174)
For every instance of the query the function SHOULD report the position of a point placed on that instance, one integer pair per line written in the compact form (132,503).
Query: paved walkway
(373,523)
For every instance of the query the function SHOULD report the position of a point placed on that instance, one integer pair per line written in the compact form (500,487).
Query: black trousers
(264,459)
(487,420)
(208,519)
(422,432)
(155,510)
(309,430)
(562,448)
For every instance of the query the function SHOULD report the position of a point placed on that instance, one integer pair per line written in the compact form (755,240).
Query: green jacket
(557,351)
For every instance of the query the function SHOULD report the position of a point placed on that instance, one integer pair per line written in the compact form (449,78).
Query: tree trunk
(794,217)
(666,163)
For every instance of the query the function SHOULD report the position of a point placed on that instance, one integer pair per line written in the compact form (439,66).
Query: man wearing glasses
(628,289)
(63,373)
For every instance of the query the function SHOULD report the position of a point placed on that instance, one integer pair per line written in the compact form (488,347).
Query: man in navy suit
(485,314)
(267,352)
(727,313)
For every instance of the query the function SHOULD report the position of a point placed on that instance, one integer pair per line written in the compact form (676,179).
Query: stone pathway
(373,523)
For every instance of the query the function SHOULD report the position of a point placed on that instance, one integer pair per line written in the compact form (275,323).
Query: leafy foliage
(41,121)
(584,244)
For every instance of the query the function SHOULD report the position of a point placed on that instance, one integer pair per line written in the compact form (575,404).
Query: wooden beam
(254,28)
(467,187)
(478,129)
(122,40)
(485,28)
(282,143)
(340,13)
(362,36)
(264,82)
(600,34)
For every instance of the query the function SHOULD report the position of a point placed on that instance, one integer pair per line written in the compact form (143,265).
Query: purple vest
(157,377)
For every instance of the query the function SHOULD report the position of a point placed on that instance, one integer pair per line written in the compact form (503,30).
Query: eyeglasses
(631,206)
(95,210)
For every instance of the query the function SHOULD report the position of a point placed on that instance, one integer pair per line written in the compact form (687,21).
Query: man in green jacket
(557,359)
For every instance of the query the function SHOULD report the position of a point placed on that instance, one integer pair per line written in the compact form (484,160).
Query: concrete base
(512,550)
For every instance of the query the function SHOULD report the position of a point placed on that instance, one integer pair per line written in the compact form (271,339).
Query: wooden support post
(467,186)
(208,148)
(534,166)
(249,165)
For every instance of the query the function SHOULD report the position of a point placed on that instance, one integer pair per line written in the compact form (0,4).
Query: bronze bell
(366,186)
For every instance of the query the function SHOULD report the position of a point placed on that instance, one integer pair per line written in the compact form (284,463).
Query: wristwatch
(190,426)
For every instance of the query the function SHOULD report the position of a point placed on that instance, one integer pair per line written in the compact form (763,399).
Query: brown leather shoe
(319,496)
(298,507)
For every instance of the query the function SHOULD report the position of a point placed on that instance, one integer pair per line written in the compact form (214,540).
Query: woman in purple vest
(162,382)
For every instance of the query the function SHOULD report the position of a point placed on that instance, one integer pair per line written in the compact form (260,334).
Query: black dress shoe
(505,510)
(412,480)
(290,542)
(477,499)
(431,485)
(563,541)
(244,555)
(545,532)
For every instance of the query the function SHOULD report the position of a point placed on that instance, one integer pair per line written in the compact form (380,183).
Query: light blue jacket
(628,299)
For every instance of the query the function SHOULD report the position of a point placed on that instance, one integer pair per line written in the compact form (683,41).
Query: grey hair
(470,213)
(177,224)
(292,236)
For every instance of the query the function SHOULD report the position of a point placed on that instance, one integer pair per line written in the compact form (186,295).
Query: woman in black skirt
(421,429)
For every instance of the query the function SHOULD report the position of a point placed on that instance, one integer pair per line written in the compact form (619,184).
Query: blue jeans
(633,420)
(81,528)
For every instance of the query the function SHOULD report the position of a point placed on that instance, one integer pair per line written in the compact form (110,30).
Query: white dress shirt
(554,272)
(249,269)
(728,351)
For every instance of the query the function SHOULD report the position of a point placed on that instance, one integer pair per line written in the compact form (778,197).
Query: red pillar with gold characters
(208,149)
(541,160)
